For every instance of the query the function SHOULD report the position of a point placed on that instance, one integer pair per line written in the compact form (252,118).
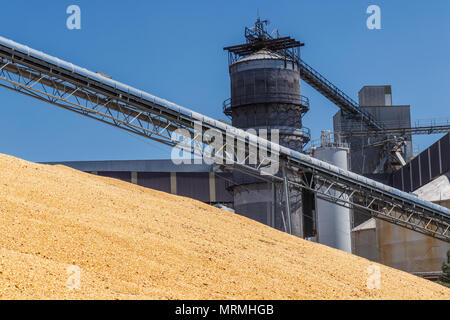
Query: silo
(265,94)
(333,221)
(410,251)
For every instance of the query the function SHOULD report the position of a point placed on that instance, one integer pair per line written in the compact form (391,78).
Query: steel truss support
(399,132)
(130,116)
(287,199)
(375,204)
(89,98)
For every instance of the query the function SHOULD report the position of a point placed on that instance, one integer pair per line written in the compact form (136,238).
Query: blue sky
(173,49)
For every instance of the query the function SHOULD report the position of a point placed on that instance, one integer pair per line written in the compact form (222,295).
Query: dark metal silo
(265,94)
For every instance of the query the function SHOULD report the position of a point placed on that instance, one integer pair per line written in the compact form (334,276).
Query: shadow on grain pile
(134,243)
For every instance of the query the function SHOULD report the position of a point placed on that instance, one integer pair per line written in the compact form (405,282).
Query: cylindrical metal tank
(333,221)
(265,94)
(410,251)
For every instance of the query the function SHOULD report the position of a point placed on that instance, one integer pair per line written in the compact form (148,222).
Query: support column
(274,197)
(134,177)
(212,187)
(173,183)
(288,202)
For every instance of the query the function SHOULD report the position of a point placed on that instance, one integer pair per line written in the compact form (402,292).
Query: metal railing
(334,94)
(323,85)
(401,132)
(303,101)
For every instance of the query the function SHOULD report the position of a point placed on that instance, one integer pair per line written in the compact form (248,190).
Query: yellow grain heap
(134,243)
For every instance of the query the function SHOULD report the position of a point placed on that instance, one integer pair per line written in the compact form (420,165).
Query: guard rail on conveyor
(433,129)
(65,85)
(334,94)
(323,85)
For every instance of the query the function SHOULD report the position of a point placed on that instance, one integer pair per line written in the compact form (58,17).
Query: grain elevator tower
(265,94)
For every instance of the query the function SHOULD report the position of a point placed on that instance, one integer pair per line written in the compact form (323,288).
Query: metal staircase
(334,94)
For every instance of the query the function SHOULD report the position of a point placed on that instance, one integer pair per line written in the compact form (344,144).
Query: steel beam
(57,86)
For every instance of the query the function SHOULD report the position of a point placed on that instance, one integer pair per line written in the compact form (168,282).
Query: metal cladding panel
(415,174)
(133,166)
(154,180)
(261,80)
(309,209)
(408,250)
(264,86)
(407,178)
(425,167)
(435,160)
(333,221)
(384,178)
(366,244)
(223,180)
(193,185)
(255,211)
(445,153)
(285,117)
(255,202)
(372,96)
(121,175)
(431,160)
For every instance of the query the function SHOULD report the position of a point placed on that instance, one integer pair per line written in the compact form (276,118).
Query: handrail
(304,101)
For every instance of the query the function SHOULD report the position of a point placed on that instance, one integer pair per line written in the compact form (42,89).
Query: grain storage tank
(333,221)
(265,94)
(411,251)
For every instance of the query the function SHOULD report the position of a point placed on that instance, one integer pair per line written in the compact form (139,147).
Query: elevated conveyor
(93,95)
(258,38)
(417,130)
(335,95)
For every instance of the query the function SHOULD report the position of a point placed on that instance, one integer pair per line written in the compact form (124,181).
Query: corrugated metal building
(365,154)
(428,165)
(404,249)
(202,182)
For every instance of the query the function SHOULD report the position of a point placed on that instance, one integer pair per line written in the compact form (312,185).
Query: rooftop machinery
(382,151)
(60,83)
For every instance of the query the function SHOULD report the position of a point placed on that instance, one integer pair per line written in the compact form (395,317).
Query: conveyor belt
(433,129)
(334,94)
(65,85)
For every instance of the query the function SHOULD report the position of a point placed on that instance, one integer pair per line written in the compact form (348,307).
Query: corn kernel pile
(65,234)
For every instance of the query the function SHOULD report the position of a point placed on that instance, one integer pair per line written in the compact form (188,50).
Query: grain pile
(134,243)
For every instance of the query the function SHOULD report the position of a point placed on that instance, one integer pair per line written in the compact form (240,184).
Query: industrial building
(201,182)
(427,176)
(376,154)
(350,192)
